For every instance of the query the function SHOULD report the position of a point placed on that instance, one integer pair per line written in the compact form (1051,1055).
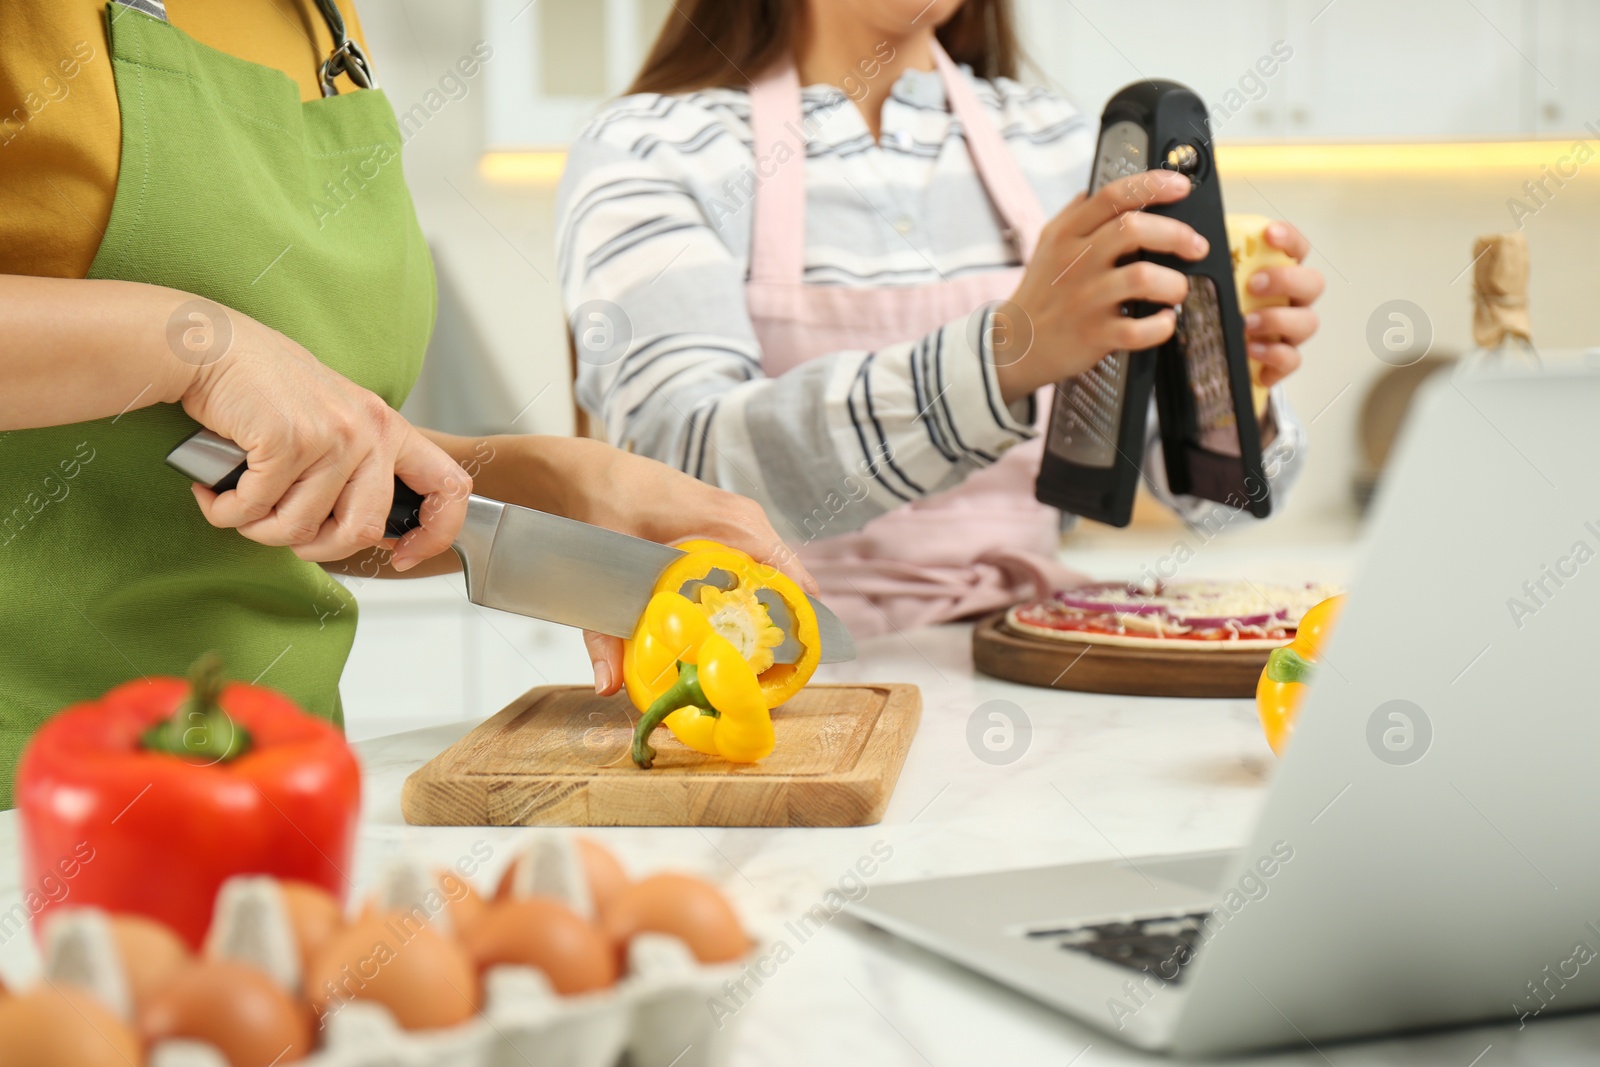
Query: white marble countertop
(1100,776)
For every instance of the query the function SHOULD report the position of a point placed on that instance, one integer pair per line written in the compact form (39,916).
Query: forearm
(76,350)
(594,483)
(532,470)
(835,442)
(528,470)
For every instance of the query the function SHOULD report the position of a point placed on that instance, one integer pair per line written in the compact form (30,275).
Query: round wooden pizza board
(1002,652)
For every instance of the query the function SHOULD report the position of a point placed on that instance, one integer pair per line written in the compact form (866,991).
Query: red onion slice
(1214,622)
(1125,599)
(1108,607)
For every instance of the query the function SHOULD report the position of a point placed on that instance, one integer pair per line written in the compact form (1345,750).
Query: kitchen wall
(500,358)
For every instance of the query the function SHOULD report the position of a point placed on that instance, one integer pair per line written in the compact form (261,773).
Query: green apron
(296,214)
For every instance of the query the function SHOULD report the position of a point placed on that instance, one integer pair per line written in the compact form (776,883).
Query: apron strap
(778,231)
(997,168)
(347,57)
(777,237)
(156,9)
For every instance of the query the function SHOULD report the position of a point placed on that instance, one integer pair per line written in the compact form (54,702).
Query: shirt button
(904,226)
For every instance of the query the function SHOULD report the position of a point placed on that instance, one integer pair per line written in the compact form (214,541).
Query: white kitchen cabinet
(1223,49)
(557,61)
(1310,70)
(1356,70)
(1377,69)
(1567,51)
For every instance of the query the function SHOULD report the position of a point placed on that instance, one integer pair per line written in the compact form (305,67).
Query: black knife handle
(405,512)
(214,461)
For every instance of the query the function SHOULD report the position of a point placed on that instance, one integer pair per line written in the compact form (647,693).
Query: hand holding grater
(1211,440)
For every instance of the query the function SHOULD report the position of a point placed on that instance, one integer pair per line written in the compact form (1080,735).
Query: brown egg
(457,899)
(603,871)
(424,979)
(693,911)
(150,953)
(502,888)
(542,932)
(234,1007)
(63,1026)
(314,915)
(466,907)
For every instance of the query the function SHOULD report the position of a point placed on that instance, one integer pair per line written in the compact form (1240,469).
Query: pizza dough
(1215,616)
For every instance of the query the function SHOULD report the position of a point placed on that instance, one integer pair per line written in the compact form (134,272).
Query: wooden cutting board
(1005,653)
(559,756)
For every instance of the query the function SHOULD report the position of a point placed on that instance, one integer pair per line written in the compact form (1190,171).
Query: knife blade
(533,563)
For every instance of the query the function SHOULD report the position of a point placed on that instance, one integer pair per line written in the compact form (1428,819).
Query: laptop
(1429,851)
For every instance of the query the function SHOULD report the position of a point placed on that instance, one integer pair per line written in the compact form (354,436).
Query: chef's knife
(536,564)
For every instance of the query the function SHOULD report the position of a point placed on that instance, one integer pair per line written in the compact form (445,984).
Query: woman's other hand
(1275,334)
(1073,292)
(323,454)
(620,491)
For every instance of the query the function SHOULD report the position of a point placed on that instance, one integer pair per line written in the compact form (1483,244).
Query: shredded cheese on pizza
(1200,614)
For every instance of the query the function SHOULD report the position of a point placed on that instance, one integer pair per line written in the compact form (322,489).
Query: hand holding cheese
(1247,244)
(1074,290)
(1276,291)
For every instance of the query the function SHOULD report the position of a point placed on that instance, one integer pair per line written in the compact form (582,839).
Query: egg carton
(657,1015)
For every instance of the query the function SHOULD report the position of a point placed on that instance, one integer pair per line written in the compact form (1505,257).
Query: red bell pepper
(172,787)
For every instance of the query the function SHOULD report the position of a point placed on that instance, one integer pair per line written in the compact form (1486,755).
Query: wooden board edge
(432,789)
(902,713)
(421,796)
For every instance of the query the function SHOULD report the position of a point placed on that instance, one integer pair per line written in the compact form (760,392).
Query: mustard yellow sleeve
(59,137)
(60,129)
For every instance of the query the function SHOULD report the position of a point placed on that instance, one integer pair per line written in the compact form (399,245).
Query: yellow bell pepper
(706,668)
(1283,680)
(739,615)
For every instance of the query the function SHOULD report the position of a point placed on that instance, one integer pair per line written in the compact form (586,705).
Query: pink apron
(981,546)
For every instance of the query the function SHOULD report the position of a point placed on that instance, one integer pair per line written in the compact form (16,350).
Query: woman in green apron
(225,294)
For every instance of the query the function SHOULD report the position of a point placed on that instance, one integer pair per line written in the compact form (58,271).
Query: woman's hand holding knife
(323,451)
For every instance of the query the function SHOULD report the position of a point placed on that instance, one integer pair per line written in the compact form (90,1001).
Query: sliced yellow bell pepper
(682,672)
(1283,680)
(706,668)
(739,615)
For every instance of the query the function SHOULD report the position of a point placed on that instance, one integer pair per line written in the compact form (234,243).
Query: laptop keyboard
(1162,946)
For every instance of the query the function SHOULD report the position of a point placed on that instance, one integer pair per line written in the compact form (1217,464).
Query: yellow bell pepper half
(1283,680)
(706,668)
(739,616)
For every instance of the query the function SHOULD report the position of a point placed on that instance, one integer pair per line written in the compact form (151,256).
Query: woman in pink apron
(801,293)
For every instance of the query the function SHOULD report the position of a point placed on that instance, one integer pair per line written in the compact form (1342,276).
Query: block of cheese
(1247,243)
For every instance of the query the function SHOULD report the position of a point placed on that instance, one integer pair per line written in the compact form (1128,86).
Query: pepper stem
(685,693)
(200,730)
(1286,665)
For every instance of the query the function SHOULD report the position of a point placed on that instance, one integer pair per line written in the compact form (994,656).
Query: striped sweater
(653,228)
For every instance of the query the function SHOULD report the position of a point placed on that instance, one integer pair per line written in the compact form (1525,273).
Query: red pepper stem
(200,730)
(685,693)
